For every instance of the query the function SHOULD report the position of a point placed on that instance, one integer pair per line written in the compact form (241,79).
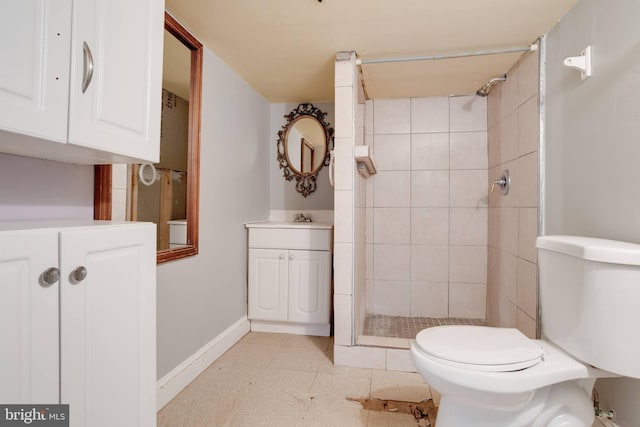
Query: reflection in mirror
(166,193)
(306,156)
(303,146)
(158,192)
(306,138)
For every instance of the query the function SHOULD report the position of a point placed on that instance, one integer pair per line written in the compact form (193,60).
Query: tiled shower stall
(425,237)
(426,229)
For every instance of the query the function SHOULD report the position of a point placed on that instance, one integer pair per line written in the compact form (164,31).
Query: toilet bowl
(497,377)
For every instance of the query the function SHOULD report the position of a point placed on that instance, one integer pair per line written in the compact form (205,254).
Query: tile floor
(272,380)
(379,325)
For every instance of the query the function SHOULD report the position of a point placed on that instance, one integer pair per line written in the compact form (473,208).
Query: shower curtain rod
(449,55)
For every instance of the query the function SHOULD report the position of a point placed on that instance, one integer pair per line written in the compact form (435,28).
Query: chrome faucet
(301,217)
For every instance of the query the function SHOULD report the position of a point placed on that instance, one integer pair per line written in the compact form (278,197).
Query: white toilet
(497,377)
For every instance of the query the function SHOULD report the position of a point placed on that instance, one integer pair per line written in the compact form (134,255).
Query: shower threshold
(378,325)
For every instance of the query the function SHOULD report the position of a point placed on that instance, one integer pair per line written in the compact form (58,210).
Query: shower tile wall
(513,121)
(349,203)
(426,216)
(343,234)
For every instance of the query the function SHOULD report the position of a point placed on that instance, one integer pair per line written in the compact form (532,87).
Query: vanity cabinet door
(268,284)
(117,108)
(107,325)
(29,317)
(34,75)
(309,290)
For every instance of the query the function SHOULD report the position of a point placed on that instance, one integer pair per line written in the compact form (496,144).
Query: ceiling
(285,49)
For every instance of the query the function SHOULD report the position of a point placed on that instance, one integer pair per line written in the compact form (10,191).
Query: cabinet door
(28,318)
(309,286)
(268,284)
(34,75)
(119,112)
(107,325)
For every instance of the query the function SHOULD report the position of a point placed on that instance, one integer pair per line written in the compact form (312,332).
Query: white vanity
(290,277)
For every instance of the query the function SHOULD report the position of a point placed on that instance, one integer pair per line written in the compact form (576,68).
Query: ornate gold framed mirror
(304,143)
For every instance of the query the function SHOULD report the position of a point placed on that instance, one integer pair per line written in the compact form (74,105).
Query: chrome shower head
(486,88)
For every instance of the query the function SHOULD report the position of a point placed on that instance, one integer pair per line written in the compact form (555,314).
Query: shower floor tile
(407,327)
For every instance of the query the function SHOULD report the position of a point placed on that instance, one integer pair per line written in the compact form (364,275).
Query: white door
(108,348)
(268,284)
(29,317)
(119,110)
(309,286)
(35,37)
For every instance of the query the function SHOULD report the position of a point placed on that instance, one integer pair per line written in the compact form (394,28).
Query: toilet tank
(590,300)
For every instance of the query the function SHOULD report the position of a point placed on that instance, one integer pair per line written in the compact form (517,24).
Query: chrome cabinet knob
(78,275)
(50,276)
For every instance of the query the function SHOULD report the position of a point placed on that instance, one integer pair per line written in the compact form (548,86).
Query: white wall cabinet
(82,81)
(88,338)
(289,278)
(35,39)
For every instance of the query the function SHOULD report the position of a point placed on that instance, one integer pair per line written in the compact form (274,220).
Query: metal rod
(542,193)
(449,55)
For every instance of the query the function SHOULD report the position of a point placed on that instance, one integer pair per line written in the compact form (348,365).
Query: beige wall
(427,207)
(513,122)
(200,297)
(591,138)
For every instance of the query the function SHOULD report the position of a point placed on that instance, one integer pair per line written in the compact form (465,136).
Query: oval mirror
(304,143)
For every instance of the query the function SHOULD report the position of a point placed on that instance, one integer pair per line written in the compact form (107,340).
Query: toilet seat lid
(480,348)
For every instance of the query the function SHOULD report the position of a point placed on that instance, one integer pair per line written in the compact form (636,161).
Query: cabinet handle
(87,70)
(50,276)
(78,275)
(292,257)
(281,256)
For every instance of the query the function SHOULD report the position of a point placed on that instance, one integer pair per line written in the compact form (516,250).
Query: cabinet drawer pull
(292,257)
(50,276)
(78,275)
(87,69)
(281,256)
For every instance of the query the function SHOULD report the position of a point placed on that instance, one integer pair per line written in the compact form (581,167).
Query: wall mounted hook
(581,63)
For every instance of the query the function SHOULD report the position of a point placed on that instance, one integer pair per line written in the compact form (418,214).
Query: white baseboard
(175,381)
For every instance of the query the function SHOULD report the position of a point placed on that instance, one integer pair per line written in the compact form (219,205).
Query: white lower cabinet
(289,287)
(77,320)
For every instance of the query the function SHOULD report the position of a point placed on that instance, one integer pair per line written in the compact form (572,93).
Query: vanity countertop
(289,224)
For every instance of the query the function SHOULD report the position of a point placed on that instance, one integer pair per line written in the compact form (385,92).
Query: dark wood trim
(183,35)
(102,192)
(193,155)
